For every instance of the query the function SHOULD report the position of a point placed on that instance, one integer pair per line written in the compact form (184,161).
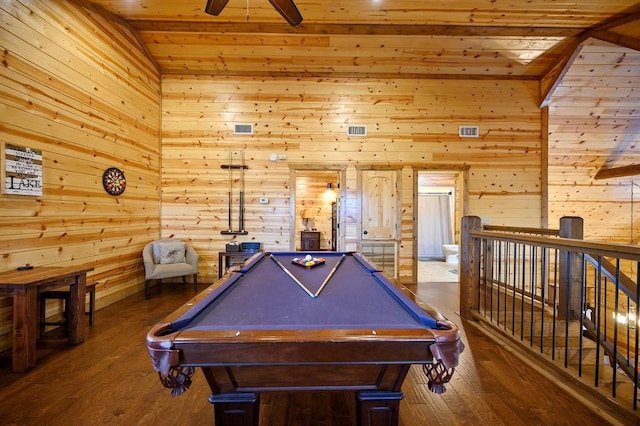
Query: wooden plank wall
(77,85)
(411,123)
(594,124)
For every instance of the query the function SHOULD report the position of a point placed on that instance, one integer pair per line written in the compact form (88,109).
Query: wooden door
(379,205)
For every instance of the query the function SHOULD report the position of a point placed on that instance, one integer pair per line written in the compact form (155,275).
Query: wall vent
(243,129)
(469,131)
(357,130)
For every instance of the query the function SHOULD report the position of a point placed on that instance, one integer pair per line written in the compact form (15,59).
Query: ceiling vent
(357,131)
(469,131)
(243,129)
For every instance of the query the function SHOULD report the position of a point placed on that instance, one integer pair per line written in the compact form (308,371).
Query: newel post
(469,266)
(571,270)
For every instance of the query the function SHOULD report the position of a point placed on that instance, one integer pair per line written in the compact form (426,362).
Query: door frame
(340,170)
(462,201)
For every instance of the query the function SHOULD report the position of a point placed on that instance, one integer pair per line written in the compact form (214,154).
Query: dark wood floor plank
(109,380)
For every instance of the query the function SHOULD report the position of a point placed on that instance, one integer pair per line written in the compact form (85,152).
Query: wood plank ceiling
(472,39)
(374,38)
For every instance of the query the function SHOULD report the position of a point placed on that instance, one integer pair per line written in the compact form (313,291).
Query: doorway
(439,208)
(316,209)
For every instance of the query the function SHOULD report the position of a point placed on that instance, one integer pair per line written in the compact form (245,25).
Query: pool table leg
(378,408)
(236,409)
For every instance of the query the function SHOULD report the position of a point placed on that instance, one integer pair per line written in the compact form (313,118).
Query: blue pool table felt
(262,296)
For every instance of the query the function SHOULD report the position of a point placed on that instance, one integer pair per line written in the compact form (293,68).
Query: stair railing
(569,300)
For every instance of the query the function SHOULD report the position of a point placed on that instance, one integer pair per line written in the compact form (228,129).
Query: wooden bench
(63,294)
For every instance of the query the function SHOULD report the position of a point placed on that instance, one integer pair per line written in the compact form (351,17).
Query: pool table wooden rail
(313,346)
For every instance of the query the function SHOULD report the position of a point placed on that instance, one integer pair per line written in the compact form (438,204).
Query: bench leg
(92,302)
(43,313)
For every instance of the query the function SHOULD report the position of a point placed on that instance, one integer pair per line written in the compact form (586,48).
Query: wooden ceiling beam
(617,172)
(618,39)
(632,15)
(351,29)
(333,74)
(552,79)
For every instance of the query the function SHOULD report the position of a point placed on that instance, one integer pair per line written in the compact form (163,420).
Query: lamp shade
(306,214)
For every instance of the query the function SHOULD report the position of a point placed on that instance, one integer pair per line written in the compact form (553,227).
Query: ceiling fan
(286,8)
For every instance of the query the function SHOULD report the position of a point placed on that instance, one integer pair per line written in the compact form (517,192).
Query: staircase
(562,345)
(570,303)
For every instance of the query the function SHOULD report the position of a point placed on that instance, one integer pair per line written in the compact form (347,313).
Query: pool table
(275,325)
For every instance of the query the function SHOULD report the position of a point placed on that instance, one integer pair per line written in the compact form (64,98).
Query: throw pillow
(170,251)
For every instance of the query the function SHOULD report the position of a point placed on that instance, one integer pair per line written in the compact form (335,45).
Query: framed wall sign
(21,170)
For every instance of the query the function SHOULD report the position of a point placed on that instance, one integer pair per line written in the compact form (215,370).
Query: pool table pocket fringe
(437,376)
(440,372)
(176,378)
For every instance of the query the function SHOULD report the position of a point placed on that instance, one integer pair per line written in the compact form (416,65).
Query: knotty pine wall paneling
(410,122)
(593,125)
(76,84)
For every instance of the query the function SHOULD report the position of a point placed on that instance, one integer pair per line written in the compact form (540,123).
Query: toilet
(450,253)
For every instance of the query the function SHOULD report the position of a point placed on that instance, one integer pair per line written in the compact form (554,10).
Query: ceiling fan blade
(288,10)
(214,7)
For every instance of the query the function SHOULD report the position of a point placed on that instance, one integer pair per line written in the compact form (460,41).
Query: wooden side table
(230,258)
(309,240)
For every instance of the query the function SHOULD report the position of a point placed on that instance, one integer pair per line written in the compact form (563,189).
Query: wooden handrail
(521,230)
(623,251)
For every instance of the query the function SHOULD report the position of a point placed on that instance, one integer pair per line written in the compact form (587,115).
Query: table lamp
(306,215)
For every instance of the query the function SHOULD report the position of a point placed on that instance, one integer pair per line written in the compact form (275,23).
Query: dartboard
(114,181)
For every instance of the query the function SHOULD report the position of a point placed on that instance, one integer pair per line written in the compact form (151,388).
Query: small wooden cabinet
(309,240)
(227,259)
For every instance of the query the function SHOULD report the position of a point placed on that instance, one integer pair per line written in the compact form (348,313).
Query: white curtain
(434,225)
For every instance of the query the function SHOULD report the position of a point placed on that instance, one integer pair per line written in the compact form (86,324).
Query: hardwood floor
(109,380)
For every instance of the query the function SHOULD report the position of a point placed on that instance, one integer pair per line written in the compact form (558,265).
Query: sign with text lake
(22,172)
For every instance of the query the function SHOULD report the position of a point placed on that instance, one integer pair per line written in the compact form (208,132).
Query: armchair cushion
(168,252)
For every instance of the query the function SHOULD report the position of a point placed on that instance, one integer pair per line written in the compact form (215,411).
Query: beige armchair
(168,259)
